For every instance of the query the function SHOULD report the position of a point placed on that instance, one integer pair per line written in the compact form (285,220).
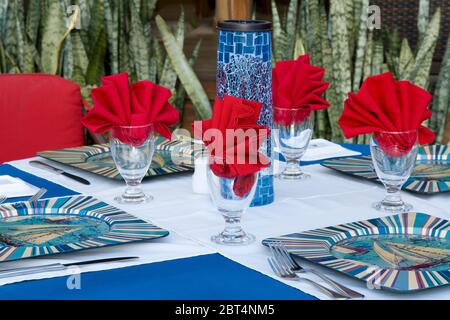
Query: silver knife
(45,166)
(55,267)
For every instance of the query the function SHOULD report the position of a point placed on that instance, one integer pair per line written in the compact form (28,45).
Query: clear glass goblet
(394,156)
(132,150)
(293,129)
(232,197)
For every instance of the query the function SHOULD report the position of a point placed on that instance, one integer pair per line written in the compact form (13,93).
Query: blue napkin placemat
(53,189)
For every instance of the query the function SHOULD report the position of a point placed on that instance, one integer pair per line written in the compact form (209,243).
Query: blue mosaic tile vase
(244,70)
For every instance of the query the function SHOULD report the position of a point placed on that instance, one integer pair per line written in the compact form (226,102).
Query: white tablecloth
(327,199)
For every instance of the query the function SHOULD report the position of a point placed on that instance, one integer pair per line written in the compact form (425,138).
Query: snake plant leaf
(378,55)
(367,69)
(187,76)
(302,28)
(179,97)
(327,63)
(148,7)
(340,53)
(80,59)
(169,76)
(67,56)
(299,49)
(393,41)
(97,59)
(33,19)
(361,46)
(85,9)
(3,68)
(112,25)
(139,48)
(291,26)
(153,67)
(441,99)
(158,57)
(3,13)
(97,11)
(406,59)
(279,35)
(357,11)
(51,39)
(350,14)
(9,39)
(423,18)
(20,33)
(424,57)
(314,31)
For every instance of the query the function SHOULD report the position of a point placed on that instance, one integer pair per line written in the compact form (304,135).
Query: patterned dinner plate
(63,225)
(404,252)
(431,174)
(97,159)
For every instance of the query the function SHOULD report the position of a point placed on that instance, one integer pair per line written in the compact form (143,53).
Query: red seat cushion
(38,112)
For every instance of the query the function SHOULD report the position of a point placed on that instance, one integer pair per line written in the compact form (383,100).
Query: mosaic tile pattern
(244,70)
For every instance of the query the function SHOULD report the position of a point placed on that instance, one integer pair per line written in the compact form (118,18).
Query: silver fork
(37,195)
(284,272)
(280,253)
(2,199)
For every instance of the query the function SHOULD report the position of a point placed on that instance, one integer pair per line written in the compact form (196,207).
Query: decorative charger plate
(62,225)
(97,159)
(404,252)
(431,174)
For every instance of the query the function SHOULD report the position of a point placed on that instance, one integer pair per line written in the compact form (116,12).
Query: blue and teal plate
(170,157)
(63,225)
(404,252)
(431,174)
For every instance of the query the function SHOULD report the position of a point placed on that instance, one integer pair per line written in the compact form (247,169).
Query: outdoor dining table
(186,264)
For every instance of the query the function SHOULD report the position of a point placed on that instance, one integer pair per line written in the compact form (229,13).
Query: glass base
(126,199)
(287,175)
(239,239)
(393,207)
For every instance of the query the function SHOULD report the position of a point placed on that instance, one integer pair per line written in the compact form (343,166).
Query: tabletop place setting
(254,183)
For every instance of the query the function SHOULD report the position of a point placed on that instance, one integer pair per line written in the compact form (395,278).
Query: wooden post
(234,9)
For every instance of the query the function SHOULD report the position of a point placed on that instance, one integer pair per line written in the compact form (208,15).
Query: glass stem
(133,188)
(232,226)
(292,165)
(393,195)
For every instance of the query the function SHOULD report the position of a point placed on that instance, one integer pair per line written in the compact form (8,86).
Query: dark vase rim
(244,25)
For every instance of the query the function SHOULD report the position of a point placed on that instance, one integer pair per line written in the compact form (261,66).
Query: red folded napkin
(384,104)
(116,103)
(233,138)
(296,84)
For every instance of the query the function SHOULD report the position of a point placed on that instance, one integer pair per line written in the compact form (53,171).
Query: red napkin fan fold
(116,103)
(296,84)
(233,139)
(386,105)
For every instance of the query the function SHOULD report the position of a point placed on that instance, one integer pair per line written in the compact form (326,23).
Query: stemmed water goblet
(132,149)
(393,157)
(293,129)
(232,197)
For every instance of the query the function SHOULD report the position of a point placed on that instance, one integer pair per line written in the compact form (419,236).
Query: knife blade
(55,267)
(50,168)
